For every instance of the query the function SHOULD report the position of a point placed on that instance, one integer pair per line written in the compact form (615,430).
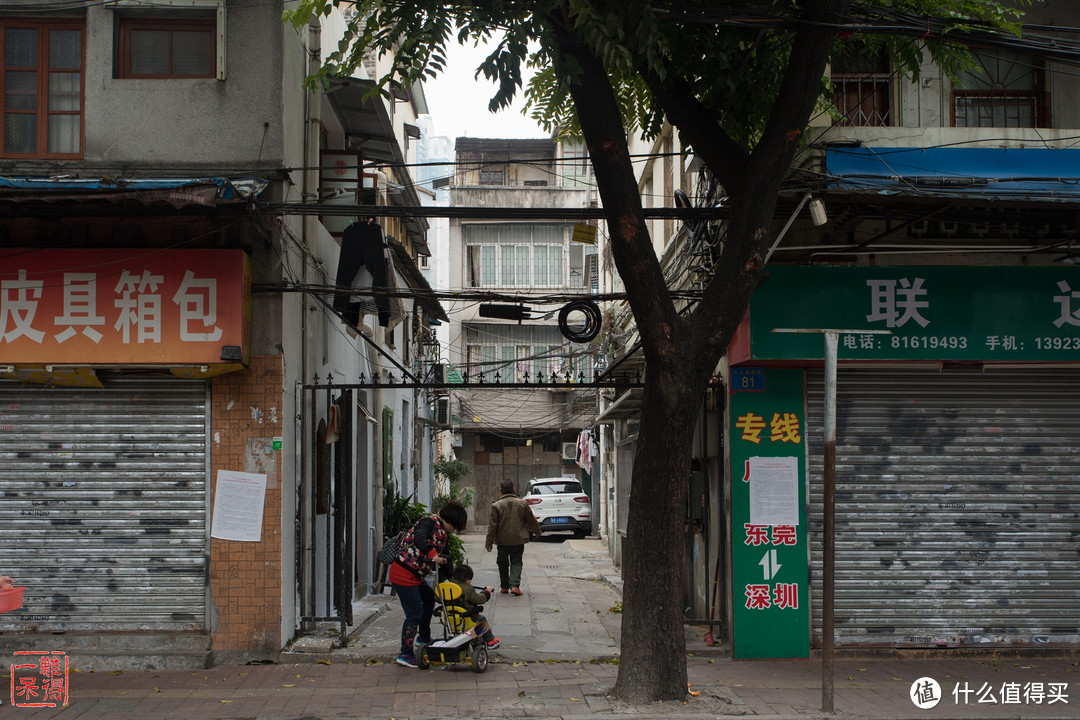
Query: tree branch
(601,125)
(800,88)
(699,126)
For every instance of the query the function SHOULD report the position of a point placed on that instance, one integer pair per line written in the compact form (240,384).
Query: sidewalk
(558,660)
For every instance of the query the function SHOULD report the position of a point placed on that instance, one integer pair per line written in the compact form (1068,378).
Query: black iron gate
(325,549)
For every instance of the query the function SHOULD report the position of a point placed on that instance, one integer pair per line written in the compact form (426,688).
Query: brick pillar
(245,577)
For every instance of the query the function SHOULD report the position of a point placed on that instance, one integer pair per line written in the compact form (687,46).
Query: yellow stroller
(460,641)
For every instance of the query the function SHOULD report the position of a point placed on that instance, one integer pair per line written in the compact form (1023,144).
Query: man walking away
(508,528)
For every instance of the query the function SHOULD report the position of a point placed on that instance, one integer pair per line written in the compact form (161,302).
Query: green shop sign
(933,313)
(769,535)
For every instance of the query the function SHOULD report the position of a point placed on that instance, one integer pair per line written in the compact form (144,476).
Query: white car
(559,504)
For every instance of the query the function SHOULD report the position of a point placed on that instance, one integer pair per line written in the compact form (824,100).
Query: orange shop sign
(133,306)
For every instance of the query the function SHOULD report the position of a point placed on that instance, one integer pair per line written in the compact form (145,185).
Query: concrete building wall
(189,123)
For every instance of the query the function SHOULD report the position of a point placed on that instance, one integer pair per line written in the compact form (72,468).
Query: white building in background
(433,171)
(523,433)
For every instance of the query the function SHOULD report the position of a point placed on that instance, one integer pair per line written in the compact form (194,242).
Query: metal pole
(828,540)
(828,509)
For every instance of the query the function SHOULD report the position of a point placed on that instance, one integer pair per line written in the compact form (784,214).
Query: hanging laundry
(362,266)
(333,424)
(586,450)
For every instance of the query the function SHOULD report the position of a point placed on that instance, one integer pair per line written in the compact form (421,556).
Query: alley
(569,610)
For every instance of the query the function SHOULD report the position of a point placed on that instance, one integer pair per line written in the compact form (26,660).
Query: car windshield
(556,488)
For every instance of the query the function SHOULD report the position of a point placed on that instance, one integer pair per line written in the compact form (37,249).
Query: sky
(458,104)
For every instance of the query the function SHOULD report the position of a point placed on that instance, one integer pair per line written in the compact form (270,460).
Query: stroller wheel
(420,651)
(479,658)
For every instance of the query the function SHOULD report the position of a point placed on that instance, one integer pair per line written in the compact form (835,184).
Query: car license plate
(560,520)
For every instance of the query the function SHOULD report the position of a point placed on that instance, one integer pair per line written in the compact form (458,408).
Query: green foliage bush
(453,470)
(399,511)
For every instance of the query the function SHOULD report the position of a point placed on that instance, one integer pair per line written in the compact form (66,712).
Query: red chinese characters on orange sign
(87,307)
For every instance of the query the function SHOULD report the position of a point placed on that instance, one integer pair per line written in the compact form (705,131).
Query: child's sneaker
(407,661)
(493,643)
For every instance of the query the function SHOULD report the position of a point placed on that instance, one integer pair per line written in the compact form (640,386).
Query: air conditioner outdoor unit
(442,410)
(569,451)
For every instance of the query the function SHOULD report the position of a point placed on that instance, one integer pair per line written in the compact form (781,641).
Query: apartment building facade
(182,472)
(518,434)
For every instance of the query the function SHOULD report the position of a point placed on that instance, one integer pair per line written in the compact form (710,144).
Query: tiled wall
(245,577)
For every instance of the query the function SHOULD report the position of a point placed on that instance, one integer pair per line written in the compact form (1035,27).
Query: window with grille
(43,77)
(575,170)
(862,87)
(167,48)
(512,351)
(583,267)
(1004,90)
(515,256)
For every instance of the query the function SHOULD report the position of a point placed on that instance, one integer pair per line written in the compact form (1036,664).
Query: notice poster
(774,490)
(238,506)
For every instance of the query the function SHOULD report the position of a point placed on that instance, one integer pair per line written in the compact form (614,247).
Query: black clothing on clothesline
(362,245)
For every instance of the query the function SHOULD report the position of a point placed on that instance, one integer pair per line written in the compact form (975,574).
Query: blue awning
(1042,174)
(174,191)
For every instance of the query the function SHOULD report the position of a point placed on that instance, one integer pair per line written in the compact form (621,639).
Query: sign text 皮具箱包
(85,307)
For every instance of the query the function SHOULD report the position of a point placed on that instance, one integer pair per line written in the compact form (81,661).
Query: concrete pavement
(559,660)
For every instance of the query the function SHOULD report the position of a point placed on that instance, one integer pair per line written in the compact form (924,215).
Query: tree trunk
(680,353)
(652,665)
(653,662)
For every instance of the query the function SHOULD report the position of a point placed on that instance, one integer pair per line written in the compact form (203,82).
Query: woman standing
(421,550)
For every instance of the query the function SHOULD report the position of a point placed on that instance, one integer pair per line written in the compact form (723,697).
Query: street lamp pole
(828,509)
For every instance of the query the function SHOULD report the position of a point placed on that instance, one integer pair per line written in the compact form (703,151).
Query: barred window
(515,256)
(862,89)
(1005,90)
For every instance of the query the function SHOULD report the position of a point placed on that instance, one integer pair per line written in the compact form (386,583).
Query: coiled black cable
(592,321)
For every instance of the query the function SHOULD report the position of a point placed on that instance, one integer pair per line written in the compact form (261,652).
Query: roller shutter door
(104,506)
(957,501)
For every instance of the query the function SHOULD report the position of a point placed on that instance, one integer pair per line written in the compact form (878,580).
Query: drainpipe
(308,188)
(602,493)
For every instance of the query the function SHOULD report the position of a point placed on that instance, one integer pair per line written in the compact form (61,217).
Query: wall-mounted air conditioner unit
(569,451)
(442,410)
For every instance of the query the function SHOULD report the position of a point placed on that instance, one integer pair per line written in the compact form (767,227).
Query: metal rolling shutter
(103,514)
(956,506)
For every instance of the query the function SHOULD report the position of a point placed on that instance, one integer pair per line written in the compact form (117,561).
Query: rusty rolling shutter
(956,507)
(104,508)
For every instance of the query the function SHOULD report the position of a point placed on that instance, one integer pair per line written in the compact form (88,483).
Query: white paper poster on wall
(774,490)
(238,506)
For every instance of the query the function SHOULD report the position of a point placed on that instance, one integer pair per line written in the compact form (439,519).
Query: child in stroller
(466,632)
(471,601)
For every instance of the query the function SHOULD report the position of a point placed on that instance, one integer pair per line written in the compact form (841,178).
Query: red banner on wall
(133,306)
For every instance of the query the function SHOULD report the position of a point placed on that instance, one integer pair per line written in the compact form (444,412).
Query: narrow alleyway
(569,610)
